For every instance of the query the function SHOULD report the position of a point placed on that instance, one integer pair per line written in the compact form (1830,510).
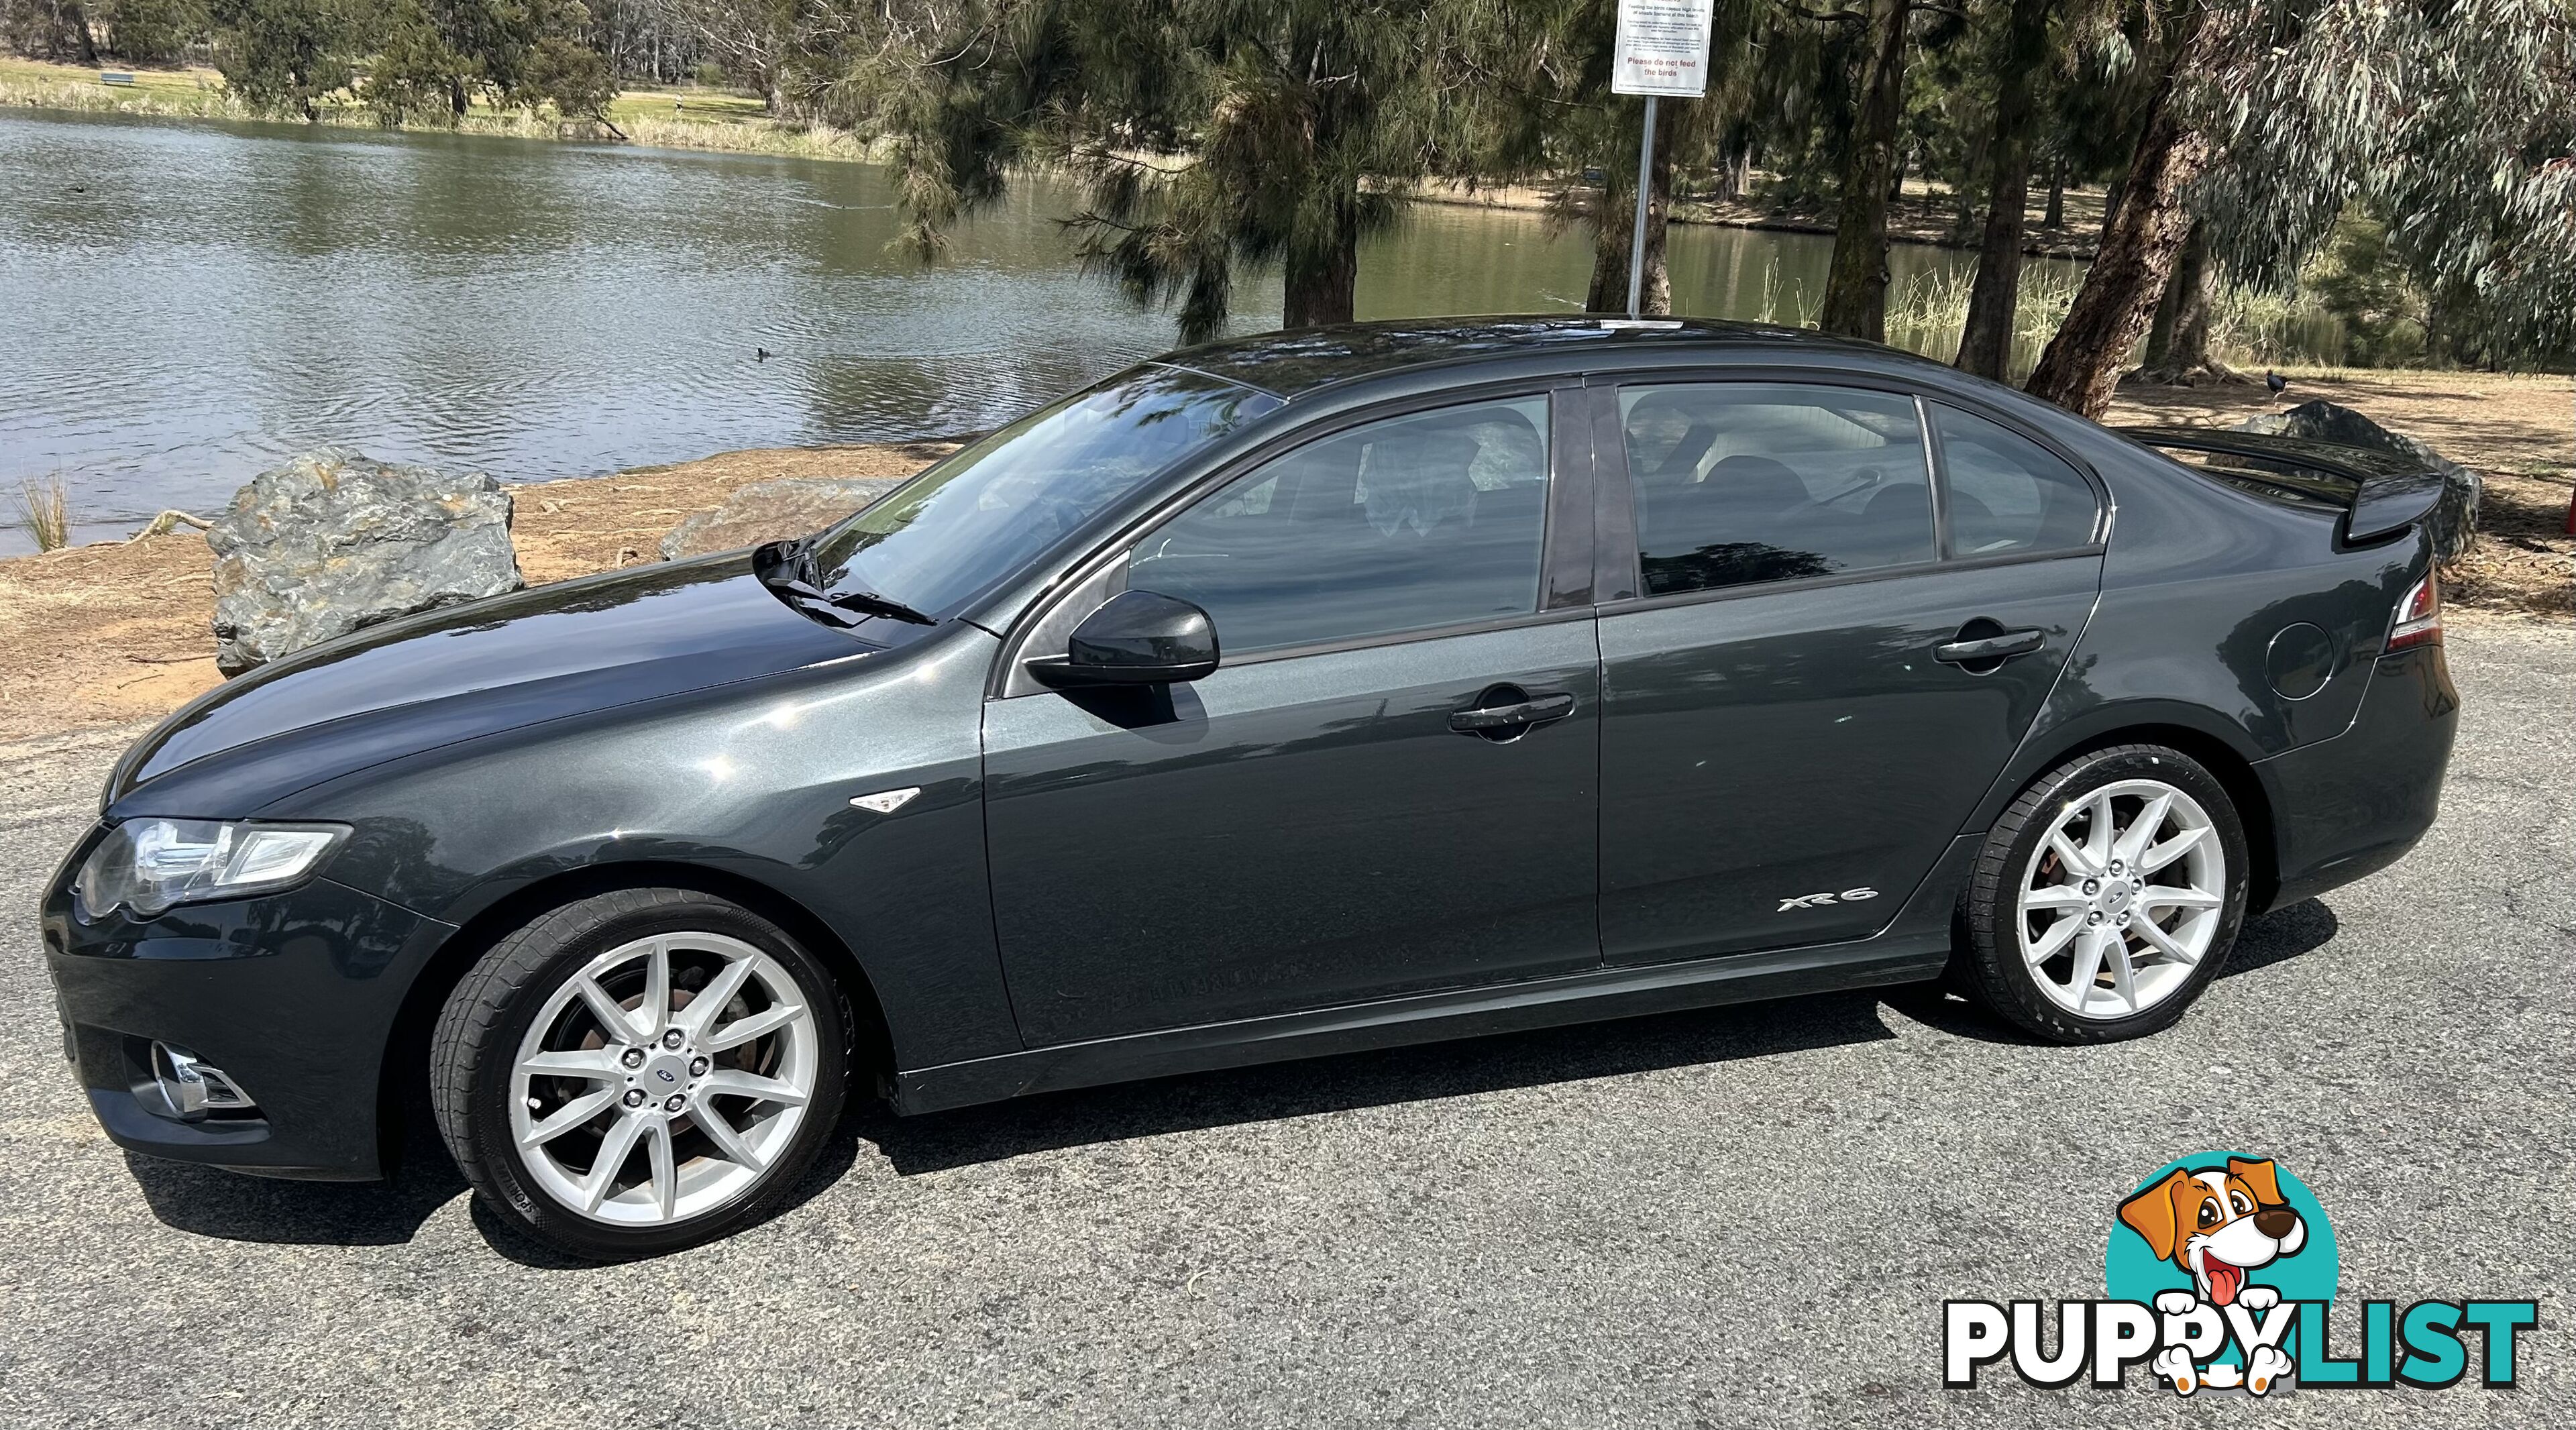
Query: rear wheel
(640,1071)
(2107,896)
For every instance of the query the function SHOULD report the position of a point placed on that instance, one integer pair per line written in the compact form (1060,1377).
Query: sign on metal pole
(1662,48)
(1661,51)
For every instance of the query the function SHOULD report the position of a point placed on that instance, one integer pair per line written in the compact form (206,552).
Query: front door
(1389,786)
(1835,650)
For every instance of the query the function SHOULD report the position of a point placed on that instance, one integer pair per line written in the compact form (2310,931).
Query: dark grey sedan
(1311,692)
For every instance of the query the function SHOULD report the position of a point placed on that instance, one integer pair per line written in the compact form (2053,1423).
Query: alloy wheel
(662,1080)
(2123,899)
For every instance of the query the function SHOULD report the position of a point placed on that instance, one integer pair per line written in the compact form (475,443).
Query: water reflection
(191,302)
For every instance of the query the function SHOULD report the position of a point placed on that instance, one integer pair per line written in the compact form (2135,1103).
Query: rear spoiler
(2382,493)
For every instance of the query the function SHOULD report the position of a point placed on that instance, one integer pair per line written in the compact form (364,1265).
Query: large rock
(2455,521)
(768,511)
(333,541)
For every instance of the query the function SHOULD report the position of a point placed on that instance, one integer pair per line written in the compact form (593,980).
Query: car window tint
(1746,482)
(2008,493)
(1402,525)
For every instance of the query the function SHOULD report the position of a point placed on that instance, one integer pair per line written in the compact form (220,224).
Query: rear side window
(2008,494)
(1408,524)
(1739,483)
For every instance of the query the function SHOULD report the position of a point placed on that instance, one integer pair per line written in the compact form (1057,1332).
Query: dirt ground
(2520,432)
(121,631)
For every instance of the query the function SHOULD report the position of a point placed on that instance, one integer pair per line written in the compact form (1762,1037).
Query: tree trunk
(1855,303)
(1616,229)
(2178,341)
(2056,215)
(1985,346)
(1322,280)
(87,47)
(2140,244)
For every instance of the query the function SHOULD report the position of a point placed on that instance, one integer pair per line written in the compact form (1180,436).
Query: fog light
(193,1089)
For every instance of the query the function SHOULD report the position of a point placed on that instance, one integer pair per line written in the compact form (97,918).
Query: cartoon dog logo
(2218,1224)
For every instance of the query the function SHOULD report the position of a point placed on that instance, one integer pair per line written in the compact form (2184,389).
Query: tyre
(640,1071)
(2106,897)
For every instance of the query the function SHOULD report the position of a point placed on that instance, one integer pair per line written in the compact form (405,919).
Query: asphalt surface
(1748,1216)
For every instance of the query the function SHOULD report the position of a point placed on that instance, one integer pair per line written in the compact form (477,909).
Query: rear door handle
(2000,647)
(1529,710)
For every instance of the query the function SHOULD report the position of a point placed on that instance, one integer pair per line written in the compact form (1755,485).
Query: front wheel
(2107,896)
(641,1071)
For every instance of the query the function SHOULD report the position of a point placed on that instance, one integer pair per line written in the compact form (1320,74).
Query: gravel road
(1742,1217)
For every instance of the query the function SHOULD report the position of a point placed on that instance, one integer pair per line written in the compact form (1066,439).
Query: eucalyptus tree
(2452,121)
(2455,118)
(1209,137)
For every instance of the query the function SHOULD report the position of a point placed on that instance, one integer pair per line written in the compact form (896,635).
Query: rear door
(1836,640)
(1390,785)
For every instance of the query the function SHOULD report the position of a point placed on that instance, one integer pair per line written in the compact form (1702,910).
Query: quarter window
(2007,493)
(1429,520)
(1744,482)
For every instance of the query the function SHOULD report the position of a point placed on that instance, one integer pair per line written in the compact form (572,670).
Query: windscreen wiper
(796,580)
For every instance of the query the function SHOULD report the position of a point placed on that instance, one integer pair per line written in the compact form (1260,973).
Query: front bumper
(295,996)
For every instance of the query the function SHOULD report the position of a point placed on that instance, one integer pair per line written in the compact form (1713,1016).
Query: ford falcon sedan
(1291,695)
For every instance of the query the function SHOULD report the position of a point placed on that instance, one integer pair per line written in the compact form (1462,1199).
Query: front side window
(1738,483)
(985,512)
(2007,493)
(1407,524)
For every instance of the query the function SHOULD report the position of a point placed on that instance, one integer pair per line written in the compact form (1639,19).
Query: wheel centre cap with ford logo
(665,1075)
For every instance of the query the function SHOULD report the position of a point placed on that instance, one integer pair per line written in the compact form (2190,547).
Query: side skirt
(1912,948)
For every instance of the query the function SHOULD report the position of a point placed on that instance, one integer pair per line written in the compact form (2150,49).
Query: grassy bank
(685,118)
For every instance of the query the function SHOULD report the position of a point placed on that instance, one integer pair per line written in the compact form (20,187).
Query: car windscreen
(983,513)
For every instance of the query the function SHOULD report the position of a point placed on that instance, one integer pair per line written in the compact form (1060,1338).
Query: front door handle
(1511,712)
(1997,648)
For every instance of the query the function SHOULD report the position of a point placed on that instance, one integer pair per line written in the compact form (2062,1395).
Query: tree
(2454,118)
(1210,136)
(1537,102)
(1985,344)
(1856,285)
(284,56)
(2453,122)
(2144,231)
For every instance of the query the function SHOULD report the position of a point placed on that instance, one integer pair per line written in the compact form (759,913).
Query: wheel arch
(2185,733)
(403,1079)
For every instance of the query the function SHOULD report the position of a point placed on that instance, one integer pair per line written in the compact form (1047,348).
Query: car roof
(1298,360)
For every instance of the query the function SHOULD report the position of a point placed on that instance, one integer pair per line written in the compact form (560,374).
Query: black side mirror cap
(1135,638)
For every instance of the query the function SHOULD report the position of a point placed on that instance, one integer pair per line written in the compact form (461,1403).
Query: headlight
(149,865)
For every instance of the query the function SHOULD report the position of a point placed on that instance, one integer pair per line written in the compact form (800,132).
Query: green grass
(46,513)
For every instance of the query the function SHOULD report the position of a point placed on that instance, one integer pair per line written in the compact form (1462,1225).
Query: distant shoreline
(718,121)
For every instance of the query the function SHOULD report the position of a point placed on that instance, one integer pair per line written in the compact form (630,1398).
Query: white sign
(1662,49)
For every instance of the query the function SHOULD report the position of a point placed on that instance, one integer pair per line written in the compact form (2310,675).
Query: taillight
(2419,616)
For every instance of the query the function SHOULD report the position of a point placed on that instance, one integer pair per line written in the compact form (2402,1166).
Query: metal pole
(1637,244)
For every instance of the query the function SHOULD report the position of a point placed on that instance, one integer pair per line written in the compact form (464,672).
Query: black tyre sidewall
(1994,967)
(513,983)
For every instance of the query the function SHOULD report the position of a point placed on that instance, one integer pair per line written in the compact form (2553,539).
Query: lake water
(182,304)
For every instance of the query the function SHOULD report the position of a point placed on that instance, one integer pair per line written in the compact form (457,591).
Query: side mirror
(1135,638)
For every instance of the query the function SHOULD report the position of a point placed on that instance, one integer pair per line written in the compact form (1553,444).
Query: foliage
(2452,121)
(1209,137)
(285,56)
